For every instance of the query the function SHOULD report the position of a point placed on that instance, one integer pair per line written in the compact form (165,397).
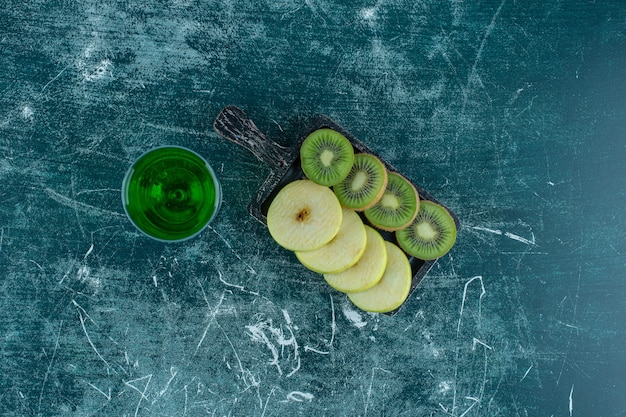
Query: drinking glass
(171,193)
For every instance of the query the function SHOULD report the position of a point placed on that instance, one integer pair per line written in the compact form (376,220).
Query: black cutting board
(233,124)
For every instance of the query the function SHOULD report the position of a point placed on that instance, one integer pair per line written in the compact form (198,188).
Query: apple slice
(367,271)
(304,216)
(393,288)
(343,251)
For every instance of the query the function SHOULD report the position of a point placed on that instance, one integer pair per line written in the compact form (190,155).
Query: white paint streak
(275,340)
(239,287)
(212,315)
(107,396)
(78,206)
(55,78)
(28,113)
(228,284)
(354,317)
(173,373)
(88,252)
(526,373)
(267,401)
(257,334)
(486,229)
(571,401)
(369,391)
(369,15)
(482,294)
(476,401)
(143,393)
(507,234)
(571,326)
(228,245)
(83,273)
(333,324)
(521,239)
(445,386)
(478,342)
(473,76)
(82,323)
(320,352)
(54,354)
(287,317)
(299,396)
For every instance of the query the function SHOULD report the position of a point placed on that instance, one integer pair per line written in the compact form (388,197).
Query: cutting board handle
(233,124)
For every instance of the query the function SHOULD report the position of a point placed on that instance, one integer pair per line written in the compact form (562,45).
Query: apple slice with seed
(343,251)
(304,216)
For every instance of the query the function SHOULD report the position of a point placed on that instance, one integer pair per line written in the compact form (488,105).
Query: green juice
(171,193)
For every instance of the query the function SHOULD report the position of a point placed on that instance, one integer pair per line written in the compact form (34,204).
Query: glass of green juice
(171,193)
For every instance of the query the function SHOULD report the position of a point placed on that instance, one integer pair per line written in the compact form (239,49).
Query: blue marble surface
(512,113)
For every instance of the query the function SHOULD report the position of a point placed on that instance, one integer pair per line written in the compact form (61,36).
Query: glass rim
(216,183)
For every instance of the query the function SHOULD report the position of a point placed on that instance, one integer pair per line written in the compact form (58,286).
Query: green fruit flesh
(392,289)
(398,206)
(326,157)
(431,235)
(304,216)
(364,185)
(369,269)
(343,251)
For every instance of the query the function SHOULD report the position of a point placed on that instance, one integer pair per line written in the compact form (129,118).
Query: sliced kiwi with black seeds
(364,185)
(398,206)
(326,156)
(431,235)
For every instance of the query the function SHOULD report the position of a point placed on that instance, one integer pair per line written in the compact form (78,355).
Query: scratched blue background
(512,113)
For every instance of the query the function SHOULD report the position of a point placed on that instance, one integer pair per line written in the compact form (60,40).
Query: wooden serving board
(233,124)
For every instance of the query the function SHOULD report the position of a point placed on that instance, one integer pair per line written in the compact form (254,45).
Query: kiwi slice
(430,235)
(365,183)
(398,206)
(326,157)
